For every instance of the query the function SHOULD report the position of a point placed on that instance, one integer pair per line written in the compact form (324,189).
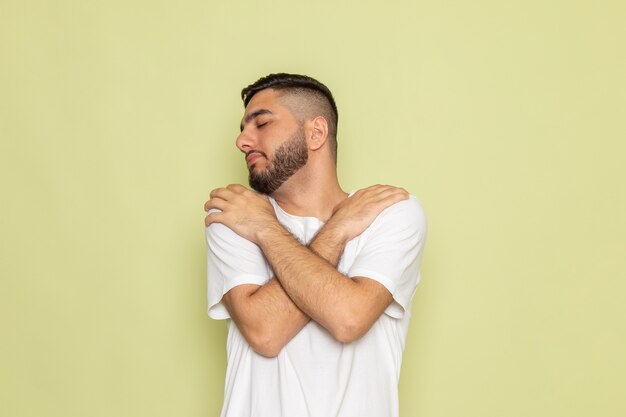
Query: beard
(288,159)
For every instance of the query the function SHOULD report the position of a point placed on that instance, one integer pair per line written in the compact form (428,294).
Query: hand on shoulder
(242,210)
(354,214)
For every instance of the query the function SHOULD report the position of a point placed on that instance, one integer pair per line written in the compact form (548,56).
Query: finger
(207,204)
(366,191)
(381,197)
(388,188)
(237,188)
(214,217)
(215,203)
(378,188)
(390,200)
(214,191)
(379,192)
(397,197)
(223,193)
(389,197)
(393,191)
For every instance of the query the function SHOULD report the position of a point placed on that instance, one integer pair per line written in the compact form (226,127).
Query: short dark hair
(309,88)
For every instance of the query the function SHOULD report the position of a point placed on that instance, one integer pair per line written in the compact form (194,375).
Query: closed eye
(254,116)
(260,125)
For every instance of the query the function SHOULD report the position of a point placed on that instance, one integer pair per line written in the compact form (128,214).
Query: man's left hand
(243,211)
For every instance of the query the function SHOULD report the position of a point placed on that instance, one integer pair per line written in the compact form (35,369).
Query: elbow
(264,343)
(266,350)
(348,330)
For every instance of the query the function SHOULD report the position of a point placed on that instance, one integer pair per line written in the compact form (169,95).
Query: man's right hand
(356,213)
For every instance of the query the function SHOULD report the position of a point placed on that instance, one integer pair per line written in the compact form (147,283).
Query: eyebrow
(252,116)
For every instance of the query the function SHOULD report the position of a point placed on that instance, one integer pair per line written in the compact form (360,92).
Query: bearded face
(288,159)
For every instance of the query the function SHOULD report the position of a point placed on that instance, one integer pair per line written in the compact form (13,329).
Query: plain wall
(506,119)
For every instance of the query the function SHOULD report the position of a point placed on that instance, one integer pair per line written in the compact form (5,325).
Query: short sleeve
(231,261)
(391,253)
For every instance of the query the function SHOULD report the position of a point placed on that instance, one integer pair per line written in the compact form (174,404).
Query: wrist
(334,231)
(268,233)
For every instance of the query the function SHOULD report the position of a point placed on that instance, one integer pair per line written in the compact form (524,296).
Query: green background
(506,119)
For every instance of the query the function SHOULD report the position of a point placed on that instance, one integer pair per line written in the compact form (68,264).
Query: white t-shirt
(314,375)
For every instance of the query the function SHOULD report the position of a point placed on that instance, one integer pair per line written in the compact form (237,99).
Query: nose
(245,141)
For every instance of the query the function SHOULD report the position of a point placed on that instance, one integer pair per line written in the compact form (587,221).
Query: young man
(316,284)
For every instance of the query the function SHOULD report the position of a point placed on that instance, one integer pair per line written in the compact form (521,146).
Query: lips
(252,157)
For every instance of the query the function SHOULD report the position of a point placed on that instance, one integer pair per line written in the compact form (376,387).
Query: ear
(318,133)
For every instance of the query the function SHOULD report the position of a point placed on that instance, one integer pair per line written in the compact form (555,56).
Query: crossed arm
(306,285)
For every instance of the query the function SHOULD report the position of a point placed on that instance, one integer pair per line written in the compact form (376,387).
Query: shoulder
(220,235)
(400,222)
(217,230)
(407,212)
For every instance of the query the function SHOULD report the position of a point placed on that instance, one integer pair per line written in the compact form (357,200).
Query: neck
(311,192)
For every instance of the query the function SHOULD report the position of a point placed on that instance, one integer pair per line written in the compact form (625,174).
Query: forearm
(267,316)
(310,280)
(307,276)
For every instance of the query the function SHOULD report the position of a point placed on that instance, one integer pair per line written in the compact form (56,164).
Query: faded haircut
(306,97)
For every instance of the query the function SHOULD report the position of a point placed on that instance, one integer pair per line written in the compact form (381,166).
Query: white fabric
(314,375)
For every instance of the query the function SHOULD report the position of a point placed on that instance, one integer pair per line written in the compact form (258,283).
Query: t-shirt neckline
(298,218)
